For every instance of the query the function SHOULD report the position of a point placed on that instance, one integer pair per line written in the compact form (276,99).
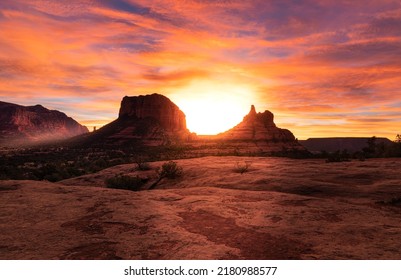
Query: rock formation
(257,134)
(28,124)
(258,127)
(154,120)
(156,107)
(151,120)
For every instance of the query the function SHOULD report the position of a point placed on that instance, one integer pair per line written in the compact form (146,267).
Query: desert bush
(242,167)
(169,170)
(125,182)
(144,166)
(338,156)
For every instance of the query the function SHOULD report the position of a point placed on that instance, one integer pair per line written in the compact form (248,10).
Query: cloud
(359,53)
(372,120)
(158,75)
(317,64)
(14,68)
(78,89)
(126,6)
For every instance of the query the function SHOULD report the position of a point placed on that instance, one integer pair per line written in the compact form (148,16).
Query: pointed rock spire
(251,115)
(258,126)
(253,110)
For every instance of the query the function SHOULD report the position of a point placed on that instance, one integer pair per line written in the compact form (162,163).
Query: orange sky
(324,68)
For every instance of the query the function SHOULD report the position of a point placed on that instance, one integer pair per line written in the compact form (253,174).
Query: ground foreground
(279,209)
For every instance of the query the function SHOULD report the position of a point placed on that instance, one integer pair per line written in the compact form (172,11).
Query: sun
(211,108)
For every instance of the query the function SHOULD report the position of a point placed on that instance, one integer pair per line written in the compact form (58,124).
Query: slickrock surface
(278,209)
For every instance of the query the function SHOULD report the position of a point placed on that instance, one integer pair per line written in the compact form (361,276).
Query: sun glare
(213,108)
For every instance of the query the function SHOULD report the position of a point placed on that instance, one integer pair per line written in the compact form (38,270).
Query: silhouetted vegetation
(290,153)
(169,170)
(339,156)
(125,182)
(380,150)
(55,164)
(59,163)
(373,149)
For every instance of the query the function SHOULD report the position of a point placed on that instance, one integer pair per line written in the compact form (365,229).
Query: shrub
(125,182)
(242,167)
(169,170)
(338,156)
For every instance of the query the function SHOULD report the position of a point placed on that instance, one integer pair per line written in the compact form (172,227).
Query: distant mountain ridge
(24,125)
(332,144)
(147,121)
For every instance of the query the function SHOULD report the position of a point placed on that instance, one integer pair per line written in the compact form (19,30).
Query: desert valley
(200,130)
(145,187)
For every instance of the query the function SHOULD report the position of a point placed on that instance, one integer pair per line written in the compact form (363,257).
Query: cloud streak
(325,68)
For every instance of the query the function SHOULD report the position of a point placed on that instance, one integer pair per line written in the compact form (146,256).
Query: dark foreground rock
(285,209)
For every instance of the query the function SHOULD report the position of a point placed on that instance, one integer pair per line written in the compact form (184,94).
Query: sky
(324,68)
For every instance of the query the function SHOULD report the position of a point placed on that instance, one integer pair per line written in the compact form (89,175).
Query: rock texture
(280,209)
(258,126)
(151,120)
(156,107)
(154,120)
(257,134)
(27,124)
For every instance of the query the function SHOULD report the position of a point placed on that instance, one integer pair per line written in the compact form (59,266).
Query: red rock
(151,120)
(27,124)
(258,126)
(156,107)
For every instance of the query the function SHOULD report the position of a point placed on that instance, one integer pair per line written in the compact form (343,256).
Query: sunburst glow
(332,66)
(211,108)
